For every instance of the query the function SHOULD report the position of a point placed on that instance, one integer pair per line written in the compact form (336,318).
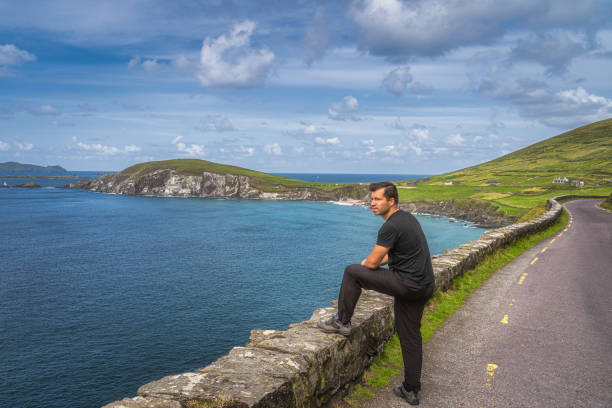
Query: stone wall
(303,367)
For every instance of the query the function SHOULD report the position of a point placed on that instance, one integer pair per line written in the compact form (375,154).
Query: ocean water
(102,293)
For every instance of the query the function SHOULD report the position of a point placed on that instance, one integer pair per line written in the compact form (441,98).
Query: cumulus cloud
(4,147)
(104,149)
(25,147)
(191,150)
(229,61)
(334,141)
(421,134)
(273,149)
(344,110)
(562,109)
(398,29)
(455,139)
(298,149)
(11,56)
(45,110)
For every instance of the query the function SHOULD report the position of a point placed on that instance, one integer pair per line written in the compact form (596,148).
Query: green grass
(442,306)
(607,204)
(525,176)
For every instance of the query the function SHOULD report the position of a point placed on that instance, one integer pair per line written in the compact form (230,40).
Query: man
(409,279)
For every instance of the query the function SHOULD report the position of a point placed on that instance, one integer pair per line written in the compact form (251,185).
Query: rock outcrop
(483,215)
(29,184)
(168,183)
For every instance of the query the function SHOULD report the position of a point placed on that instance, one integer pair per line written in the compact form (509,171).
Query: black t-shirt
(408,250)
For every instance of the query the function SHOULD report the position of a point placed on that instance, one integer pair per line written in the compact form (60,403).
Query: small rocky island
(200,178)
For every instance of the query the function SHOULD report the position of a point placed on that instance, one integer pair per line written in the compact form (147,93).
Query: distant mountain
(30,168)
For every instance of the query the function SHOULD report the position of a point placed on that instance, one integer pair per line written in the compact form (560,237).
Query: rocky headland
(170,183)
(483,216)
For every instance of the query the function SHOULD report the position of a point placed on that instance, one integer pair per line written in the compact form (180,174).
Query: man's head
(384,198)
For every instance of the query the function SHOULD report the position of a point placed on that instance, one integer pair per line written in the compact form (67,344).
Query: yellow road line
(491,373)
(534,260)
(505,319)
(520,282)
(544,250)
(553,240)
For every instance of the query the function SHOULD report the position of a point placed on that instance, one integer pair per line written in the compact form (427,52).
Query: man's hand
(378,257)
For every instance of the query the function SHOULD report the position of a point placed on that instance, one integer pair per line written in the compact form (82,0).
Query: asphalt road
(538,333)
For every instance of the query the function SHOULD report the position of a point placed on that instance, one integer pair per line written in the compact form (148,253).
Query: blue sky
(384,86)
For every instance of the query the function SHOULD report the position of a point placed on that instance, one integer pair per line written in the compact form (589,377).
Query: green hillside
(584,154)
(517,182)
(264,181)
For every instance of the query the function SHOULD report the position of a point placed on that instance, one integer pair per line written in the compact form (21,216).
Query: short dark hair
(390,189)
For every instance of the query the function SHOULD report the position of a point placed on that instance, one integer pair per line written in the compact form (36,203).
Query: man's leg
(408,313)
(357,277)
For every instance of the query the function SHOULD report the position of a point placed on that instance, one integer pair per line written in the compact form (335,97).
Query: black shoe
(334,325)
(412,397)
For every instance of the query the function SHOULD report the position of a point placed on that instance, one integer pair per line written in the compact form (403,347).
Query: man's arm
(378,257)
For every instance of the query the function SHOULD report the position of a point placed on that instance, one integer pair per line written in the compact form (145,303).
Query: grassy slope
(526,175)
(265,181)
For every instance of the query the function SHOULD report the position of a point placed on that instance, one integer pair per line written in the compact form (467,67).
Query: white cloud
(151,65)
(273,149)
(248,151)
(299,149)
(4,147)
(131,148)
(330,141)
(11,56)
(397,80)
(420,134)
(563,109)
(228,60)
(311,130)
(191,150)
(455,139)
(344,110)
(25,147)
(369,142)
(104,149)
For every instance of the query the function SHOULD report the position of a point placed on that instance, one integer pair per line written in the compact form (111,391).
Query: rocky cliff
(169,183)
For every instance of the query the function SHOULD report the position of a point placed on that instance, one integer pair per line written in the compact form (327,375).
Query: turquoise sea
(103,293)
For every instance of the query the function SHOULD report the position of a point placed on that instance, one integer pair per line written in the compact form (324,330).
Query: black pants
(408,306)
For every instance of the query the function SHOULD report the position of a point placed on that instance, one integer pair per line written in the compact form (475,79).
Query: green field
(521,180)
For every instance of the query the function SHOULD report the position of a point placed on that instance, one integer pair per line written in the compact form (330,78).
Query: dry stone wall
(303,367)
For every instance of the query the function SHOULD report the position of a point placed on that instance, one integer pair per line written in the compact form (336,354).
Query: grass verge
(440,307)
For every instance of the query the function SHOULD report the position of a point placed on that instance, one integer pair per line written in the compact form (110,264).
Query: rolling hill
(519,181)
